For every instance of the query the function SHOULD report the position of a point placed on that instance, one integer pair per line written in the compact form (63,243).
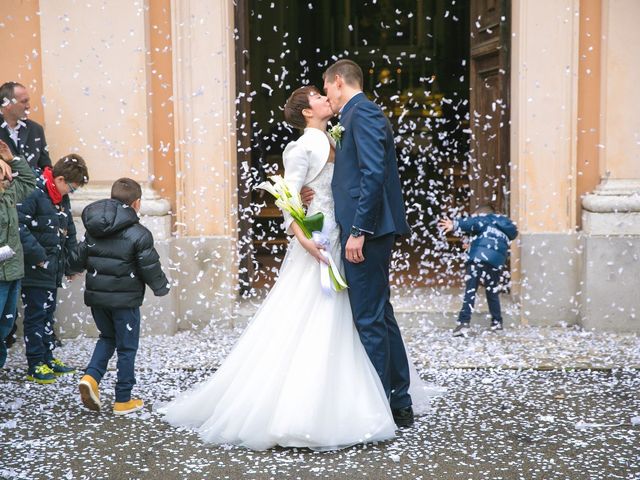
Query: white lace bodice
(323,197)
(323,202)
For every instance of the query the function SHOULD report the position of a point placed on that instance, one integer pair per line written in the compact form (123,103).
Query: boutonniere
(335,132)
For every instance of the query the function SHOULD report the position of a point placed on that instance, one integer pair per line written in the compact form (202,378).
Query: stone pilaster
(611,213)
(544,93)
(204,253)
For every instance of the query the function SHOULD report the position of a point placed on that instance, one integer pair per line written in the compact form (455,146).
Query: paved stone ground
(529,403)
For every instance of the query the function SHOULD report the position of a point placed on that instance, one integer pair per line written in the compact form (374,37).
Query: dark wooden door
(243,128)
(489,98)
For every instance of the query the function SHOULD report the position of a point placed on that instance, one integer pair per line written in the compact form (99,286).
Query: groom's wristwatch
(356,232)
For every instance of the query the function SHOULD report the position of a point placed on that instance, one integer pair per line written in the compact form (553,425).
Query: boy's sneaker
(495,326)
(89,393)
(462,330)
(124,408)
(59,368)
(42,374)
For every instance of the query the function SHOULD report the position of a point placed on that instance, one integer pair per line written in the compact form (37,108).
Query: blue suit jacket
(366,183)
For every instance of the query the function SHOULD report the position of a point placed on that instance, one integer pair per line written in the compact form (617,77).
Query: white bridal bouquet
(289,200)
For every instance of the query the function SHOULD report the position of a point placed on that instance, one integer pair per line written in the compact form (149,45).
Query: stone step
(424,306)
(440,307)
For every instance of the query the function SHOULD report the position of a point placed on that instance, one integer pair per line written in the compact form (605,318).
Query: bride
(299,375)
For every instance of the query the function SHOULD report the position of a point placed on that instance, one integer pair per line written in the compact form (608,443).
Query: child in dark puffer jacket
(48,237)
(120,259)
(491,235)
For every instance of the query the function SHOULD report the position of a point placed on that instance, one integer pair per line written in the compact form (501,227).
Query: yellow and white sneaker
(89,393)
(124,408)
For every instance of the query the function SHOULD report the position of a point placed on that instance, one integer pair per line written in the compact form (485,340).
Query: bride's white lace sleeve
(296,164)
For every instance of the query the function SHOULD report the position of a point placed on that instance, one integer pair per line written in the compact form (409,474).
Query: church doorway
(438,68)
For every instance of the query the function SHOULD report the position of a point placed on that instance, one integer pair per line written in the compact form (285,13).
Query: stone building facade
(147,89)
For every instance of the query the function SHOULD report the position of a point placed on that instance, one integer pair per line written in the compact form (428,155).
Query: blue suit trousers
(375,321)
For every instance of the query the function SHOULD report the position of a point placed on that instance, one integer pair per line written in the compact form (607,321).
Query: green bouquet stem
(312,223)
(289,201)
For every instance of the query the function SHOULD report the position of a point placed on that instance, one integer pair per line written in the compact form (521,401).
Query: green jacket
(23,183)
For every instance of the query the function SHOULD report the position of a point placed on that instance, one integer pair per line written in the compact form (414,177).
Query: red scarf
(54,194)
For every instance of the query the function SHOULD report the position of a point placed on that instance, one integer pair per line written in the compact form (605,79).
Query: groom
(370,211)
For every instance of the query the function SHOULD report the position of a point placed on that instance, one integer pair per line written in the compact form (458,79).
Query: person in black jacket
(491,235)
(120,259)
(24,137)
(48,237)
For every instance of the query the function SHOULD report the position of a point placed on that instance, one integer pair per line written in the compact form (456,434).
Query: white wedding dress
(299,375)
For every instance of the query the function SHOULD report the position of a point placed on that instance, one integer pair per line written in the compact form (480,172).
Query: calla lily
(281,186)
(290,201)
(269,188)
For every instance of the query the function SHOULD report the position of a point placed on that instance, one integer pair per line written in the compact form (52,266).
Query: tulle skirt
(297,377)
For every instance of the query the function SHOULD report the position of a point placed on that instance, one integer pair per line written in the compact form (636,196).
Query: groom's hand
(353,249)
(307,195)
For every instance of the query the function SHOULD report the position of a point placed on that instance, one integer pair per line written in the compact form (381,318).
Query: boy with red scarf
(48,237)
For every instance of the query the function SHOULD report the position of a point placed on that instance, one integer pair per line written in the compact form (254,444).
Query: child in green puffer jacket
(17,180)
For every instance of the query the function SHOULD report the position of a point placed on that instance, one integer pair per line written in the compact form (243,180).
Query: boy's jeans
(39,308)
(8,303)
(119,330)
(490,276)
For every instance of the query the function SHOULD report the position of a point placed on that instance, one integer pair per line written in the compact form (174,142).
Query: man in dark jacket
(120,259)
(24,137)
(491,235)
(48,237)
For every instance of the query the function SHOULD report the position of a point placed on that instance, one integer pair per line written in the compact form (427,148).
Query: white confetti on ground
(507,421)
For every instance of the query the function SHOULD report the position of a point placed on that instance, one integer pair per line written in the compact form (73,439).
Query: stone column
(544,93)
(96,83)
(611,213)
(204,97)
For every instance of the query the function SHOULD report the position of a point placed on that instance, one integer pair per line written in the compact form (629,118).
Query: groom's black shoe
(403,416)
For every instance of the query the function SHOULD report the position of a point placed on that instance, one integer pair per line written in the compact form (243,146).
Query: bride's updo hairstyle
(297,102)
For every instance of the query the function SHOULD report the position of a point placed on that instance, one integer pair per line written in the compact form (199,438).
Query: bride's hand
(314,250)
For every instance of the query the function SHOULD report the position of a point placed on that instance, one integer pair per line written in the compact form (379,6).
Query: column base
(202,271)
(73,317)
(611,268)
(611,263)
(550,278)
(205,271)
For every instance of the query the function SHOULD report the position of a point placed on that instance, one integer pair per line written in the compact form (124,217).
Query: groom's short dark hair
(349,70)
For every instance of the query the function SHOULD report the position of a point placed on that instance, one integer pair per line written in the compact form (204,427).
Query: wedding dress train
(298,376)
